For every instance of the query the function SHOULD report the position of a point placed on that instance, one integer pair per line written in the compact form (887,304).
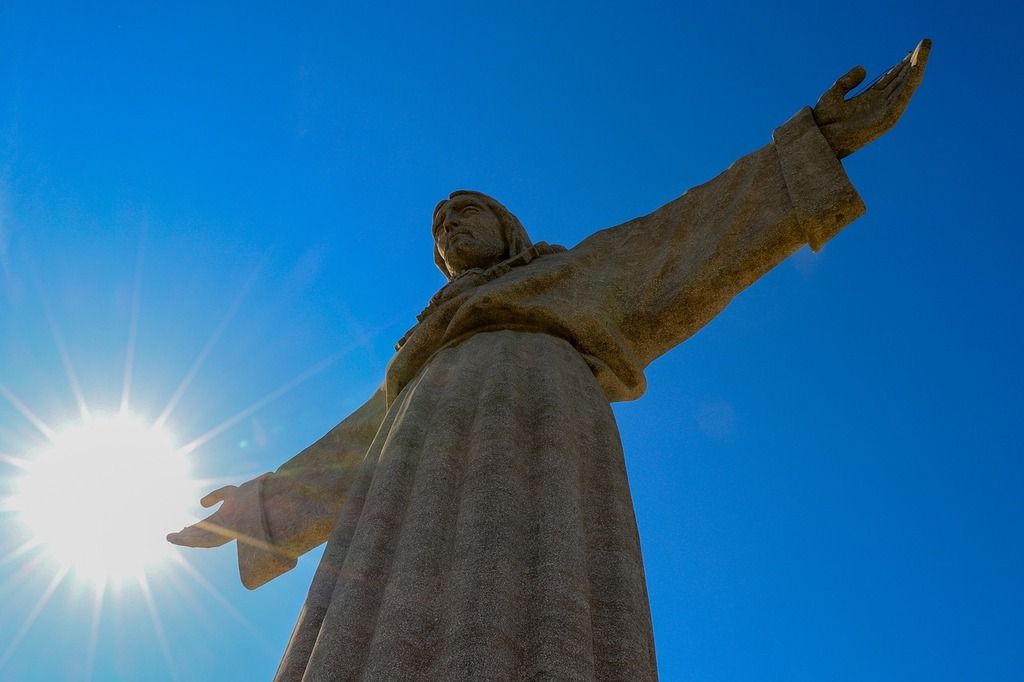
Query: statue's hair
(516,239)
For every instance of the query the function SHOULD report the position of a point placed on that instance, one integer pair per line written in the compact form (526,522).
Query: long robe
(477,512)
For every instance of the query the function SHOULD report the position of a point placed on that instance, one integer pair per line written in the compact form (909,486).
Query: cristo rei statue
(477,515)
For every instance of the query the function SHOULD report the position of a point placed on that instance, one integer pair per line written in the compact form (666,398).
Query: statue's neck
(474,277)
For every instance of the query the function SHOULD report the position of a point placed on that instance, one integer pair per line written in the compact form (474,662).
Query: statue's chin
(467,259)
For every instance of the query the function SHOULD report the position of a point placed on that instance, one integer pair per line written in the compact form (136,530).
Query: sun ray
(20,550)
(165,649)
(273,395)
(186,594)
(94,629)
(50,434)
(22,443)
(14,460)
(24,571)
(33,614)
(65,357)
(221,599)
(190,375)
(133,328)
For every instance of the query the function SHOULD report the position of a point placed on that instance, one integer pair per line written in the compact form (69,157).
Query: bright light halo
(103,495)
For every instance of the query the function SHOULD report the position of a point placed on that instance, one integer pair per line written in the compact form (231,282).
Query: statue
(476,510)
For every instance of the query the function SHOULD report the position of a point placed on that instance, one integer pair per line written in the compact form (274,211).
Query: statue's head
(473,230)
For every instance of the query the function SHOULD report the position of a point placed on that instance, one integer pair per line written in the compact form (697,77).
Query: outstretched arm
(279,516)
(658,279)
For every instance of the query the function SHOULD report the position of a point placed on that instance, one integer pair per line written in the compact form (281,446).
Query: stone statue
(476,511)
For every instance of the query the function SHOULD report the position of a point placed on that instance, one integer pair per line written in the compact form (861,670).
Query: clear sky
(236,201)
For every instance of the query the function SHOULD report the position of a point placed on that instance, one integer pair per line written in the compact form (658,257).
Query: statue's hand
(849,124)
(224,524)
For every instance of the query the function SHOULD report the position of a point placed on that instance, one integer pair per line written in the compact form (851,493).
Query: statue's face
(468,234)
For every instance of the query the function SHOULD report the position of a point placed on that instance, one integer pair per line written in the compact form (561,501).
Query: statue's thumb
(850,80)
(216,496)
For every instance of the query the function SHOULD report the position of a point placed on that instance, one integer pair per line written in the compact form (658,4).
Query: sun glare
(103,495)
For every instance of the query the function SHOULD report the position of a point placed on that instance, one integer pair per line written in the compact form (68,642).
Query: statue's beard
(468,253)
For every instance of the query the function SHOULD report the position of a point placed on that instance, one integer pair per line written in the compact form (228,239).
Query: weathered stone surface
(476,508)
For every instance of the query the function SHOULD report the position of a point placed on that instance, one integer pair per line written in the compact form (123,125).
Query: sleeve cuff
(259,559)
(823,197)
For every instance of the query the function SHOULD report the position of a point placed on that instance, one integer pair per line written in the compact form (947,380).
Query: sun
(102,496)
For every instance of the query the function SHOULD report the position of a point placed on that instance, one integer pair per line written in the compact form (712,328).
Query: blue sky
(828,478)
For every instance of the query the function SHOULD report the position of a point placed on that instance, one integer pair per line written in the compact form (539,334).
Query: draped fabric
(479,518)
(495,539)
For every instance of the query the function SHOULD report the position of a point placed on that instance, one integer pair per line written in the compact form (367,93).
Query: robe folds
(478,518)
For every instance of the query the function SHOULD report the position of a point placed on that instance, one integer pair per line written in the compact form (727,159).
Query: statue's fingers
(900,91)
(849,80)
(218,495)
(919,57)
(918,60)
(911,75)
(891,74)
(201,534)
(830,104)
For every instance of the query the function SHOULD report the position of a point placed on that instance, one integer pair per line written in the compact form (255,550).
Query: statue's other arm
(281,515)
(662,277)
